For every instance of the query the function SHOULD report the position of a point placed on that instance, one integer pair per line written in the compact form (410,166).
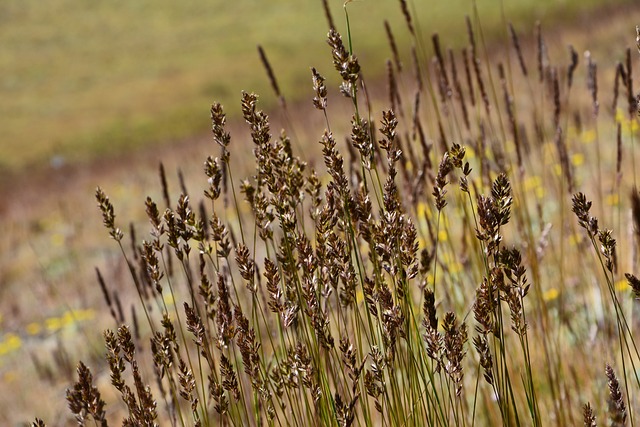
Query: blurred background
(98,93)
(82,80)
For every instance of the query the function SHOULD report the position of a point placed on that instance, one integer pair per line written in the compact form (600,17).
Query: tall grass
(430,273)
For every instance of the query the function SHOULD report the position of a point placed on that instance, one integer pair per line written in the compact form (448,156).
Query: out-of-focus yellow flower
(451,263)
(10,343)
(628,125)
(168,298)
(33,328)
(86,314)
(532,183)
(53,324)
(612,200)
(423,210)
(588,136)
(57,239)
(574,239)
(577,159)
(10,377)
(510,147)
(454,267)
(551,294)
(470,153)
(67,319)
(621,285)
(557,169)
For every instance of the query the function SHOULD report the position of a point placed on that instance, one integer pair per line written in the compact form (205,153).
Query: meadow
(415,263)
(83,81)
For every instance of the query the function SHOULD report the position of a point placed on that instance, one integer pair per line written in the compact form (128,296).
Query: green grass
(83,80)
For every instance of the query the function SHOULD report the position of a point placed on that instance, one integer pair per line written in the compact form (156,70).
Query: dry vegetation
(464,253)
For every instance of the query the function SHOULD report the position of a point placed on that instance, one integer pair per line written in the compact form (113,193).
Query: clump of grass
(345,297)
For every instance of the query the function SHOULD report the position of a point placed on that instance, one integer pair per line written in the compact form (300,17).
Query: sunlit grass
(71,223)
(82,80)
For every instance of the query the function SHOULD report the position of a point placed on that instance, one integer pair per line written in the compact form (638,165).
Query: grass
(424,274)
(86,81)
(51,244)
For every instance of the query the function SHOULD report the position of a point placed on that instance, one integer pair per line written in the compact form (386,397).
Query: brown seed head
(588,416)
(617,408)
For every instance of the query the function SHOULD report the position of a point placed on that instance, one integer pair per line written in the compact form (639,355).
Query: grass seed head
(617,407)
(588,416)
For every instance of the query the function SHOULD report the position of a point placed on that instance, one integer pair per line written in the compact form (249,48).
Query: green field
(86,79)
